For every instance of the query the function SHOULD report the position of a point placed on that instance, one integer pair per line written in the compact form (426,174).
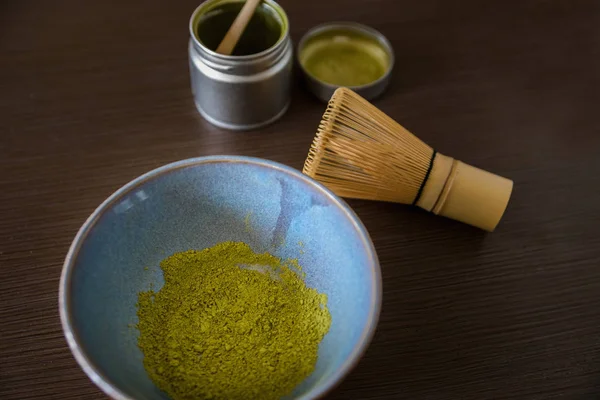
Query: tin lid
(345,54)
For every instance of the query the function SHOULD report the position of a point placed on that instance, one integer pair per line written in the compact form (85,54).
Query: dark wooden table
(95,93)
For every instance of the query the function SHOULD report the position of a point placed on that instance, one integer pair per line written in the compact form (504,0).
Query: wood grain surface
(95,93)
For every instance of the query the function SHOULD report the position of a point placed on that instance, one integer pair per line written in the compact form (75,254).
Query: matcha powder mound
(230,324)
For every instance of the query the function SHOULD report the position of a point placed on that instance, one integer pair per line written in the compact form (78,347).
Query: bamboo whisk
(360,152)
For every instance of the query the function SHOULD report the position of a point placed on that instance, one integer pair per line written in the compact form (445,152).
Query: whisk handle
(465,193)
(431,189)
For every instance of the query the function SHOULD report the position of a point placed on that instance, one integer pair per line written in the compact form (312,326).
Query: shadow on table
(435,313)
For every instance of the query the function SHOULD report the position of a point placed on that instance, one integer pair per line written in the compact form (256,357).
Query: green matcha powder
(230,324)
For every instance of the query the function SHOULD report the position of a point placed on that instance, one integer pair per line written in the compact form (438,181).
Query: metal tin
(241,92)
(324,90)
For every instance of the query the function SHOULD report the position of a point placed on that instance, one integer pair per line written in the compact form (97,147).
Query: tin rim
(351,26)
(204,6)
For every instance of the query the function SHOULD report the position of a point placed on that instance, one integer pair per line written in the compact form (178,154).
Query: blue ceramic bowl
(194,204)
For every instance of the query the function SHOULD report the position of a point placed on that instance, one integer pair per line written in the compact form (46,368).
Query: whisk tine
(356,149)
(360,152)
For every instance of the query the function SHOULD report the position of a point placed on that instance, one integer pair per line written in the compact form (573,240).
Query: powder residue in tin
(262,32)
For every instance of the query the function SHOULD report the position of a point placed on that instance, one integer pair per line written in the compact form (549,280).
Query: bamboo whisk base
(465,193)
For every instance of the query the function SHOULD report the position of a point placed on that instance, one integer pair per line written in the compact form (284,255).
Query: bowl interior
(194,205)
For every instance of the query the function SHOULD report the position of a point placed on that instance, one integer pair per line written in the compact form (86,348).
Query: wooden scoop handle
(237,28)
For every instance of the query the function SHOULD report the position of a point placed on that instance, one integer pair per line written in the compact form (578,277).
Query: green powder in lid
(344,57)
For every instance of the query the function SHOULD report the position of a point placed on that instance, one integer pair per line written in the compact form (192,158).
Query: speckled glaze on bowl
(194,204)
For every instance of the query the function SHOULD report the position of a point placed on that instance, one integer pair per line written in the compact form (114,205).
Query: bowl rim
(64,297)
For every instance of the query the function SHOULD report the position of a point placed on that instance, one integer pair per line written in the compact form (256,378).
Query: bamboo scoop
(360,152)
(237,28)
